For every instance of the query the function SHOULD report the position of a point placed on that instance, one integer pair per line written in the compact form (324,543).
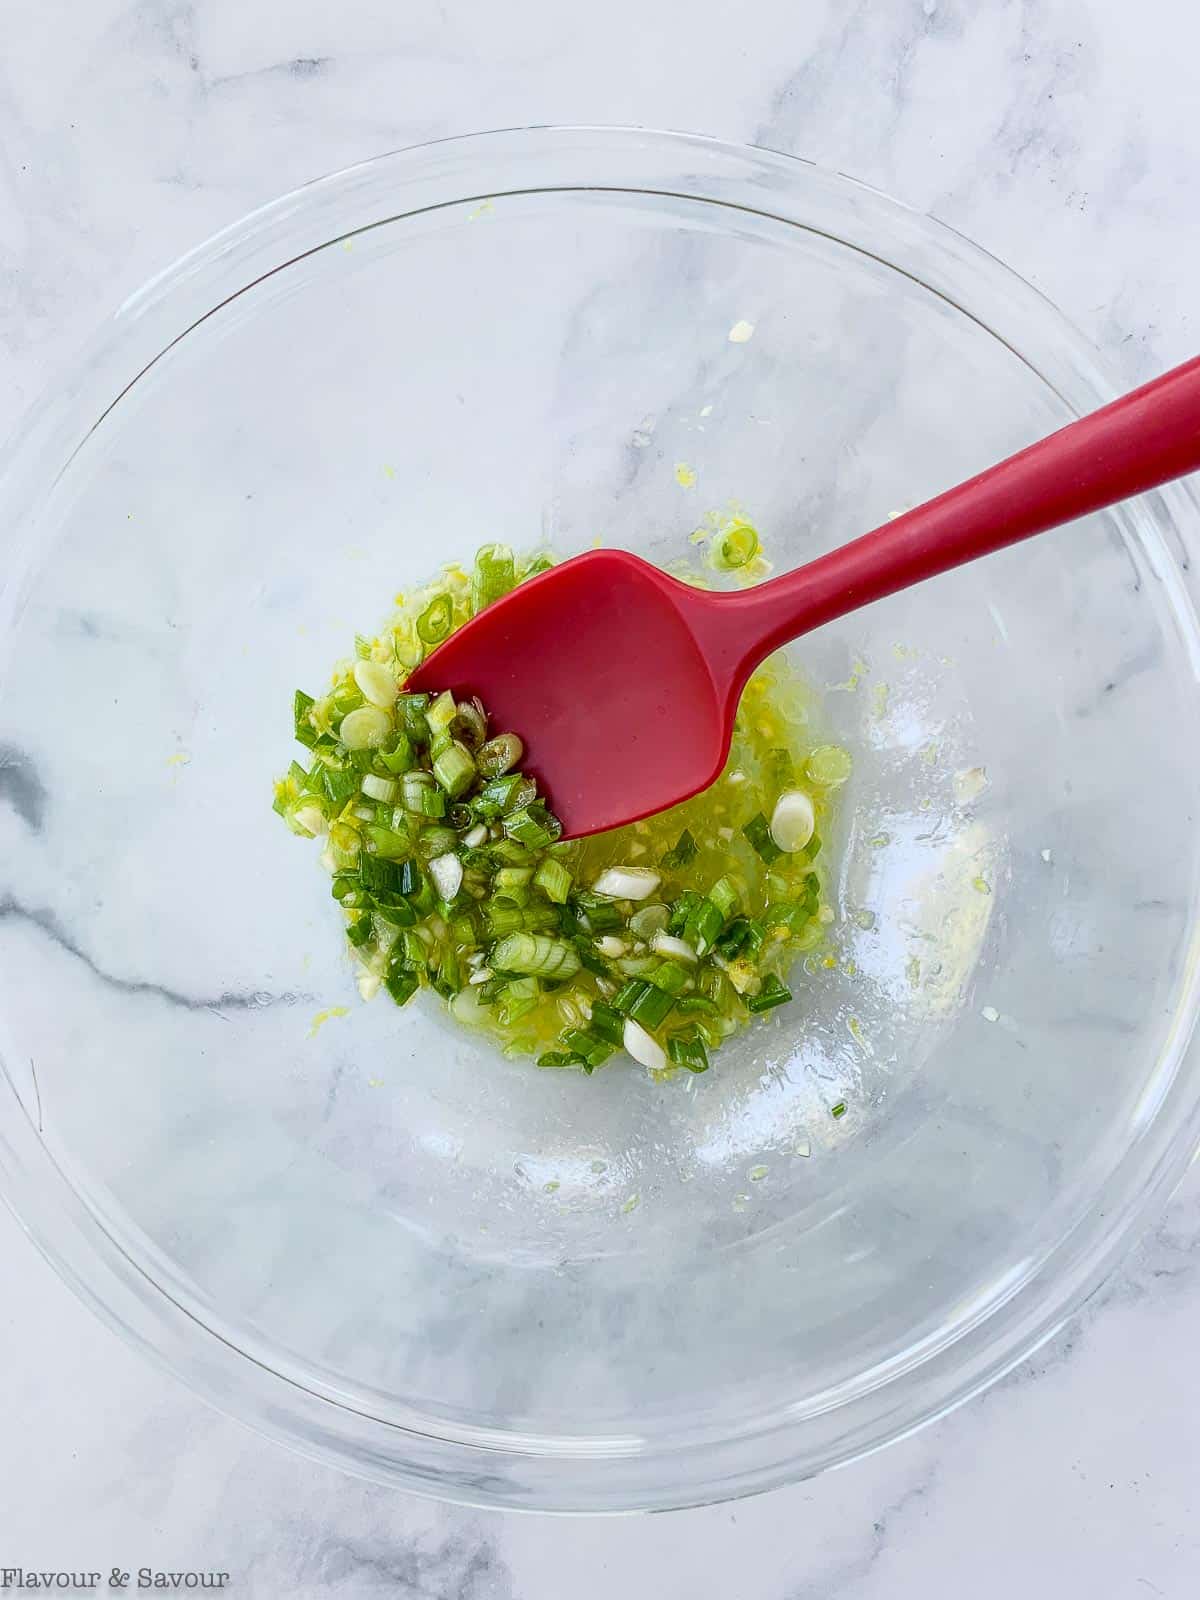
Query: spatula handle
(1144,439)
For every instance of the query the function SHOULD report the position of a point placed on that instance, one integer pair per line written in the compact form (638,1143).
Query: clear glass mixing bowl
(382,1243)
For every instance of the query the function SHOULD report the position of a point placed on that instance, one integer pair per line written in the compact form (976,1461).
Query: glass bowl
(375,1238)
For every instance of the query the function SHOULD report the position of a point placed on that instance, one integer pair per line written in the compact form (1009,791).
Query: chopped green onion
(651,1007)
(441,713)
(606,1022)
(376,788)
(743,935)
(734,547)
(542,561)
(512,853)
(516,998)
(504,920)
(509,878)
(536,955)
(668,976)
(498,755)
(436,621)
(626,995)
(347,891)
(346,697)
(401,984)
(396,753)
(302,704)
(393,909)
(390,843)
(724,896)
(447,980)
(703,925)
(838,1110)
(691,1004)
(829,765)
(345,839)
(375,872)
(376,683)
(411,709)
(593,1050)
(758,831)
(533,826)
(681,910)
(470,724)
(559,1058)
(419,796)
(688,1051)
(464,927)
(365,728)
(436,840)
(410,880)
(601,916)
(454,769)
(505,794)
(553,879)
(684,850)
(494,575)
(772,993)
(781,769)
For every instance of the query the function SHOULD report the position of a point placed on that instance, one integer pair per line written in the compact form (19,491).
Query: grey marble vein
(21,787)
(849,1577)
(457,1567)
(12,911)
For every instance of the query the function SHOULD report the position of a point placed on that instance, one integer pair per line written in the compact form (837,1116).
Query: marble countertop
(1059,134)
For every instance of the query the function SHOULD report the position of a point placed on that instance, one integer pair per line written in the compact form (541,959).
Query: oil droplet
(322,1017)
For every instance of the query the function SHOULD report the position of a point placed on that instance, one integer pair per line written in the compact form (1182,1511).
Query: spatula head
(596,665)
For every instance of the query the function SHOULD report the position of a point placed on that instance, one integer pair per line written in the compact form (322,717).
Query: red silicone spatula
(624,682)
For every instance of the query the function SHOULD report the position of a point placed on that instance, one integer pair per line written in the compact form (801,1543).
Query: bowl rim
(475,1465)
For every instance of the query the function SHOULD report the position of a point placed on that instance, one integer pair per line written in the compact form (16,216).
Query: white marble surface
(1061,135)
